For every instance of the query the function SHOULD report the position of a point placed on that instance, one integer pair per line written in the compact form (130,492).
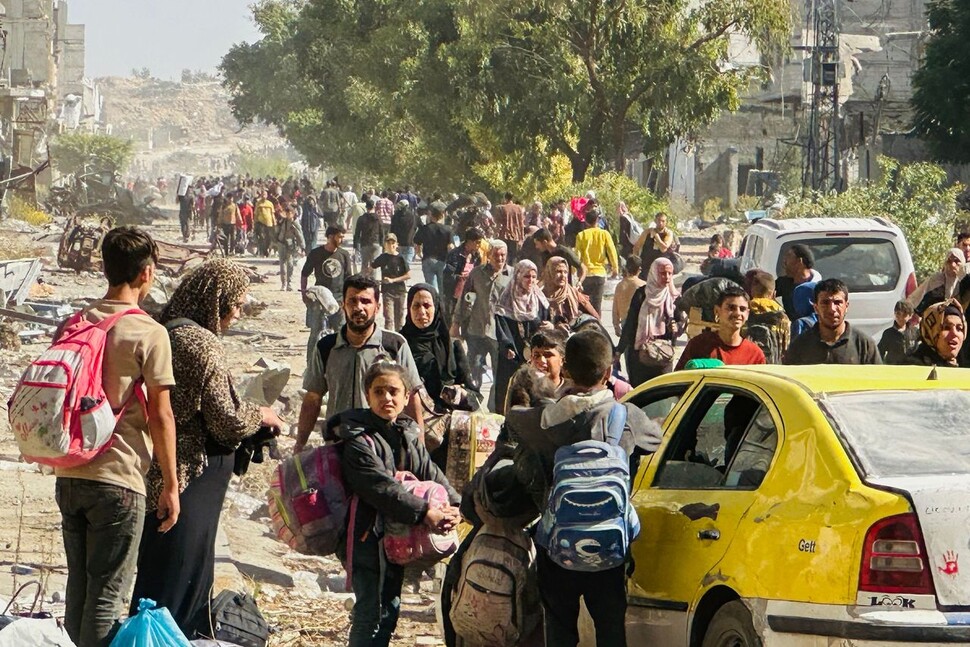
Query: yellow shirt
(265,213)
(595,247)
(137,346)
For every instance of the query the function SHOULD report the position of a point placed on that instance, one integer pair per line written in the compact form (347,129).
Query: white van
(869,255)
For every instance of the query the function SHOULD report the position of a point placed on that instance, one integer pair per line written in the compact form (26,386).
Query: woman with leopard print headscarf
(176,569)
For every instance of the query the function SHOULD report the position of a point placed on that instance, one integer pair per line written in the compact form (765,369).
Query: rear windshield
(904,433)
(863,264)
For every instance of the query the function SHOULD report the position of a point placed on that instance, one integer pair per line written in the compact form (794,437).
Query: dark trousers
(102,525)
(639,372)
(593,287)
(377,589)
(262,235)
(229,239)
(185,222)
(176,569)
(605,596)
(480,348)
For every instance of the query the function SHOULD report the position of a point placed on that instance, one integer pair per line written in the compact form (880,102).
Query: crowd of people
(509,295)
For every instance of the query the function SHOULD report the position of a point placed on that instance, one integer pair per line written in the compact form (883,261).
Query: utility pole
(822,169)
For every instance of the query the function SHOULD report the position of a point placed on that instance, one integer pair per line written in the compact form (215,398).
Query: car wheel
(731,626)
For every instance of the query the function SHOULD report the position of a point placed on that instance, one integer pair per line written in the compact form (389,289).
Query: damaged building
(879,48)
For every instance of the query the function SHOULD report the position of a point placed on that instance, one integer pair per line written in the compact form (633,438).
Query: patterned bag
(308,501)
(417,545)
(496,601)
(589,520)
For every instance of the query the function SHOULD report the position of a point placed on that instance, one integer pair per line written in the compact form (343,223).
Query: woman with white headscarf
(941,286)
(648,331)
(520,311)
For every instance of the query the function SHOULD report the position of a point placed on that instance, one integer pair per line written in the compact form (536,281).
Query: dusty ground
(303,597)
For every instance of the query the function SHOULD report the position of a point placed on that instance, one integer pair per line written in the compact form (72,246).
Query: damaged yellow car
(804,506)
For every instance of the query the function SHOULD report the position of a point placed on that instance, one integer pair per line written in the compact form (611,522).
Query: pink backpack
(59,412)
(308,501)
(417,545)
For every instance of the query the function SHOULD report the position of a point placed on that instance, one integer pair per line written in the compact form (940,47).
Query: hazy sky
(165,36)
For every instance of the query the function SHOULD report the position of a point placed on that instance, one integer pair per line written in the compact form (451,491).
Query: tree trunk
(580,165)
(618,142)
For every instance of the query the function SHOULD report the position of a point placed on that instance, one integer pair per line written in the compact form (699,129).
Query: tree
(442,89)
(587,75)
(917,197)
(941,96)
(81,152)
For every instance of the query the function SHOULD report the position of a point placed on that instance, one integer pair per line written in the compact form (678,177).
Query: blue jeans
(102,526)
(434,273)
(377,589)
(408,254)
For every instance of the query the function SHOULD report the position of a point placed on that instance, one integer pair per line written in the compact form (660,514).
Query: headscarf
(431,346)
(658,305)
(515,303)
(931,325)
(564,299)
(208,294)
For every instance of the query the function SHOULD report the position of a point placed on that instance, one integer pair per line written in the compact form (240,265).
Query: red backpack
(59,412)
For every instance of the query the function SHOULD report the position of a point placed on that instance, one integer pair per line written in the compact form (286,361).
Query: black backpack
(762,329)
(235,618)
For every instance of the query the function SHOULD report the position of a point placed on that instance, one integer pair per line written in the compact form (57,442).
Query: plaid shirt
(384,210)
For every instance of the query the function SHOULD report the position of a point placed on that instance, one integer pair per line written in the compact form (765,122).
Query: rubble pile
(191,113)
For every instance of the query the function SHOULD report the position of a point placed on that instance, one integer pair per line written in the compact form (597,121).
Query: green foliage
(914,196)
(454,92)
(85,152)
(260,165)
(612,188)
(940,91)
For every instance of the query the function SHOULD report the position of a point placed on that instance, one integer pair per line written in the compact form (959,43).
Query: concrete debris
(245,503)
(9,336)
(305,584)
(265,387)
(16,277)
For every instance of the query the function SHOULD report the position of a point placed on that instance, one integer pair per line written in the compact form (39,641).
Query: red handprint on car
(950,563)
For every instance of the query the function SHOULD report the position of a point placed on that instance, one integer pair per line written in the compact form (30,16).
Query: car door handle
(713,534)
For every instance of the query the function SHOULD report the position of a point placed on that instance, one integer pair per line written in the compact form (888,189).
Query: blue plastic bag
(151,627)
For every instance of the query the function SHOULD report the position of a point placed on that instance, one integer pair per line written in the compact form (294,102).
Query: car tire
(731,626)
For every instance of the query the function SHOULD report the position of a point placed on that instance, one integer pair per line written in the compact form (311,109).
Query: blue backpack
(589,521)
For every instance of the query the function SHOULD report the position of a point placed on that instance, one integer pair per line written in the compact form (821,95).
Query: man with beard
(342,358)
(330,265)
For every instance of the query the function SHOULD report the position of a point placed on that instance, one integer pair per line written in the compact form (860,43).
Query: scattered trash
(16,278)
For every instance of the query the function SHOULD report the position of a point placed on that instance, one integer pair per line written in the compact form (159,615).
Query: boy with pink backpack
(81,408)
(403,510)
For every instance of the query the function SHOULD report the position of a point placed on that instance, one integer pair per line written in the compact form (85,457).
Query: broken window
(726,440)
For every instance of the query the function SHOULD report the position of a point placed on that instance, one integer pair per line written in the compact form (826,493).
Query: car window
(903,433)
(726,440)
(863,264)
(658,403)
(757,247)
(753,456)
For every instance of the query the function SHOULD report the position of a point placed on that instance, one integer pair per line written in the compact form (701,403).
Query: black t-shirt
(391,266)
(572,259)
(329,269)
(404,225)
(434,239)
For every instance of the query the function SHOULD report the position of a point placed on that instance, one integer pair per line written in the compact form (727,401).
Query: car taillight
(910,283)
(894,558)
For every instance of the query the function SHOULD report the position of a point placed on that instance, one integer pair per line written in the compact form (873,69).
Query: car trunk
(942,505)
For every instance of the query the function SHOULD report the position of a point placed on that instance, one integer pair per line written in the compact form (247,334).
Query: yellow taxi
(804,505)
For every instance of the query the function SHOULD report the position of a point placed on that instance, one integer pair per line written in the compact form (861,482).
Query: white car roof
(825,225)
